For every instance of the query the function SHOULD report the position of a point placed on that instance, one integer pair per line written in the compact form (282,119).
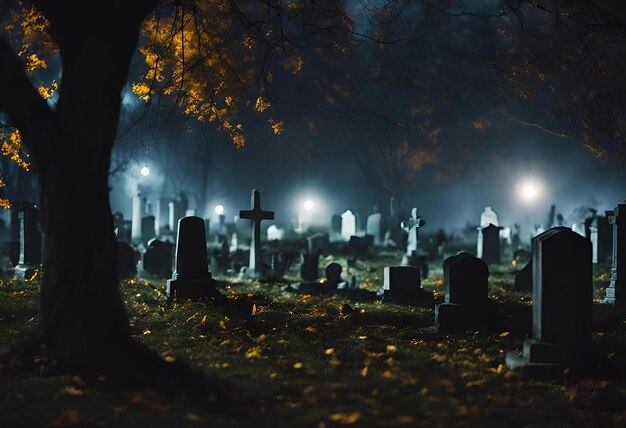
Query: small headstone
(256,215)
(524,278)
(374,227)
(466,305)
(127,259)
(402,285)
(562,306)
(191,279)
(616,291)
(348,225)
(491,244)
(157,260)
(333,275)
(274,233)
(220,259)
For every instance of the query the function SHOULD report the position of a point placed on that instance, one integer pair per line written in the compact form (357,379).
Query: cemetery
(312,214)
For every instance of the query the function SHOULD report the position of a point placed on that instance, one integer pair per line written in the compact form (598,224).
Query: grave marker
(562,306)
(191,279)
(466,305)
(616,291)
(402,285)
(256,215)
(348,225)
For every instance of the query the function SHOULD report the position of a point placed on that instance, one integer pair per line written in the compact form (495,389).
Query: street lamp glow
(145,171)
(219,210)
(308,205)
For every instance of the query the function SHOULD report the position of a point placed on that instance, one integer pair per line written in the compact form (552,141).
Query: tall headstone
(348,225)
(491,244)
(138,211)
(161,216)
(256,215)
(466,305)
(191,279)
(335,227)
(489,216)
(562,306)
(147,228)
(616,291)
(403,285)
(374,227)
(30,241)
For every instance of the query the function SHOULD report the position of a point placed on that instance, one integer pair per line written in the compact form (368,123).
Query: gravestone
(121,227)
(491,243)
(157,260)
(489,216)
(29,240)
(274,233)
(309,266)
(562,306)
(616,291)
(317,243)
(256,215)
(161,216)
(524,278)
(348,225)
(220,259)
(411,226)
(147,229)
(191,279)
(466,305)
(402,285)
(138,211)
(127,259)
(335,228)
(333,275)
(374,227)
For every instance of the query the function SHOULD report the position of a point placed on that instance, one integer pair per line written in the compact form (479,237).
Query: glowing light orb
(528,192)
(145,171)
(219,209)
(308,205)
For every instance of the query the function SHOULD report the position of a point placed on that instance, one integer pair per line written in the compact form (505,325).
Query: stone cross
(411,226)
(616,291)
(256,215)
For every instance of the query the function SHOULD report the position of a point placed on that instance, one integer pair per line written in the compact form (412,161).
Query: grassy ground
(311,362)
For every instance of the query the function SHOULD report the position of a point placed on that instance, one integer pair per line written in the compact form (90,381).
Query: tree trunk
(84,326)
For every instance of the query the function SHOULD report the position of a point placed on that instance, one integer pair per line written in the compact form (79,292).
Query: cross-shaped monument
(411,226)
(256,215)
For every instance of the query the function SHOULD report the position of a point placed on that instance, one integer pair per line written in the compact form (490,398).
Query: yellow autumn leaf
(391,348)
(254,353)
(329,351)
(345,418)
(504,334)
(297,365)
(364,371)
